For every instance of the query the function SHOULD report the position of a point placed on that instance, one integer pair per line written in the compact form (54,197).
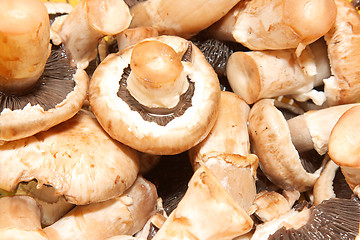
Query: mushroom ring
(159,96)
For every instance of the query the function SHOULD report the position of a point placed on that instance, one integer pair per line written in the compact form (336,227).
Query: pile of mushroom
(177,119)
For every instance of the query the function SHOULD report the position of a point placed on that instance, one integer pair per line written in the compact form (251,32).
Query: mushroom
(205,212)
(77,158)
(184,18)
(131,36)
(331,184)
(87,24)
(344,145)
(271,142)
(126,214)
(256,75)
(20,218)
(159,96)
(38,87)
(236,173)
(332,219)
(342,40)
(230,133)
(268,24)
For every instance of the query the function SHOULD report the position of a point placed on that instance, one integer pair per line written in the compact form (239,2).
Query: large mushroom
(268,24)
(38,87)
(159,96)
(77,158)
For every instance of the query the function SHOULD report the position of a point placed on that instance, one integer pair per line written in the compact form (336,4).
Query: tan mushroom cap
(125,214)
(77,158)
(129,127)
(344,145)
(205,212)
(271,141)
(16,124)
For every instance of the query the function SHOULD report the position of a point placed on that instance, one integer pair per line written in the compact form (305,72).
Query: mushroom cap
(271,141)
(22,122)
(76,157)
(128,126)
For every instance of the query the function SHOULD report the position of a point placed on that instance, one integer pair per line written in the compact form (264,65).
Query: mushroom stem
(269,24)
(132,36)
(157,78)
(87,23)
(24,44)
(266,74)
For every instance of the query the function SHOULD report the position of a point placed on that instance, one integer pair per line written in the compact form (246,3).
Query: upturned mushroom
(343,40)
(344,146)
(184,18)
(256,75)
(20,218)
(268,24)
(87,24)
(77,158)
(126,214)
(205,212)
(159,96)
(38,87)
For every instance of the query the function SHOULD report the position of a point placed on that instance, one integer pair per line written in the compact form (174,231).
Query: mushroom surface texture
(205,212)
(271,142)
(38,86)
(76,157)
(159,96)
(279,24)
(344,144)
(126,214)
(342,41)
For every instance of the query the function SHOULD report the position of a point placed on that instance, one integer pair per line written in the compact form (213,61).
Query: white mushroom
(343,40)
(268,24)
(159,96)
(87,24)
(183,18)
(76,157)
(126,214)
(205,212)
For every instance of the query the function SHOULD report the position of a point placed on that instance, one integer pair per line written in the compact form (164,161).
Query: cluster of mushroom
(81,127)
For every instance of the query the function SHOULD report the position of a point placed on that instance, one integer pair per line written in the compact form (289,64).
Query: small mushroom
(256,75)
(159,96)
(268,24)
(20,218)
(205,212)
(77,158)
(184,18)
(38,87)
(126,214)
(271,142)
(343,40)
(344,145)
(230,133)
(87,24)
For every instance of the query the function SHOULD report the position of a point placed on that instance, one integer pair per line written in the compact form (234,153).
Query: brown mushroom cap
(151,129)
(77,158)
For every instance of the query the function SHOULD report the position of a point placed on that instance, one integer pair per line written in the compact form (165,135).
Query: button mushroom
(77,158)
(38,87)
(183,18)
(159,96)
(342,40)
(268,24)
(126,214)
(87,24)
